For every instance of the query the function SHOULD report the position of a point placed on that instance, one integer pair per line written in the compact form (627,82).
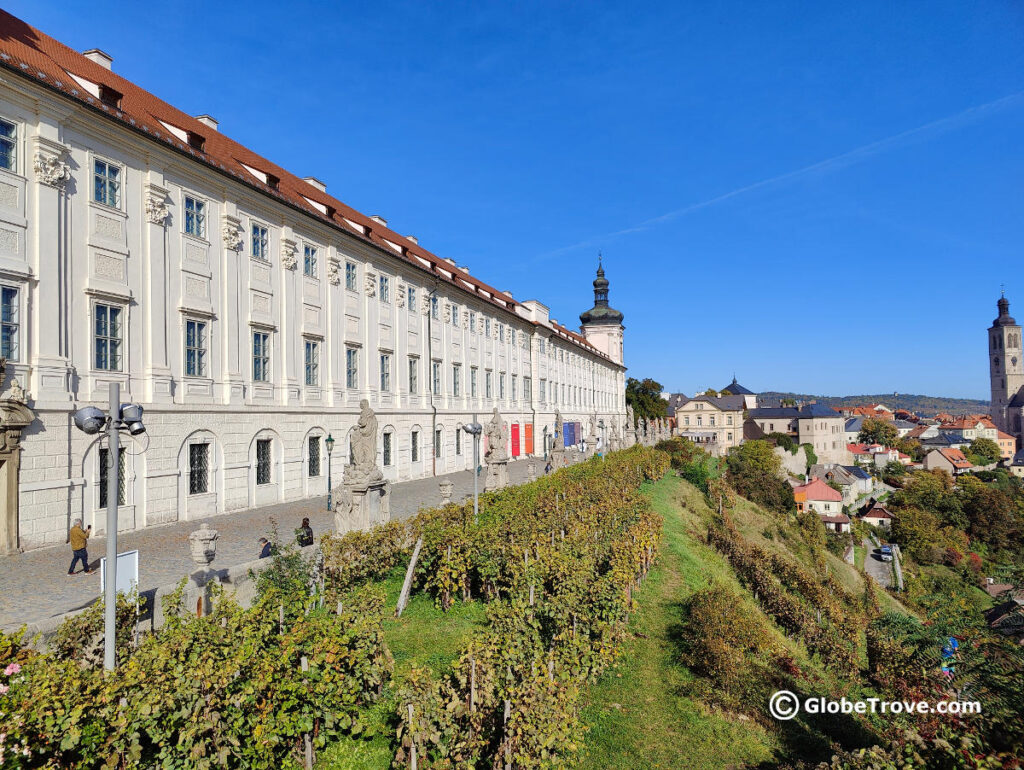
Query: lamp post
(329,443)
(91,420)
(474,429)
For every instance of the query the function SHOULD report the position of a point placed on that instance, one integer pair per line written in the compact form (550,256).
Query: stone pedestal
(446,488)
(362,506)
(497,475)
(558,458)
(531,471)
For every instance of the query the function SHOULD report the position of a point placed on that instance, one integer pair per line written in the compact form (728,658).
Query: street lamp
(91,420)
(474,429)
(329,443)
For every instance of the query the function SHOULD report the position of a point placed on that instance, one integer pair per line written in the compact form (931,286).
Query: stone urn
(203,544)
(446,487)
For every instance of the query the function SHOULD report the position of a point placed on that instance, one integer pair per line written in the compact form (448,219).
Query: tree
(983,451)
(875,431)
(645,398)
(754,471)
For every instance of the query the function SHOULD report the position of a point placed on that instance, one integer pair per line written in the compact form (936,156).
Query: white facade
(248,329)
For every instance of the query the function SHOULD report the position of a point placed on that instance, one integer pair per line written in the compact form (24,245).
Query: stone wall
(793,464)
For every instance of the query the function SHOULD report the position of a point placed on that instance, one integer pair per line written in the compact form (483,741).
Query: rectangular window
(414,375)
(351,368)
(312,363)
(472,381)
(108,338)
(195,348)
(385,372)
(435,376)
(106,183)
(527,388)
(263,461)
(513,387)
(415,446)
(541,344)
(501,332)
(438,442)
(455,314)
(501,386)
(411,299)
(261,356)
(543,387)
(10,323)
(195,217)
(472,322)
(8,145)
(260,242)
(457,380)
(728,419)
(487,327)
(350,276)
(313,466)
(435,311)
(387,448)
(711,420)
(198,469)
(385,288)
(309,257)
(458,441)
(488,388)
(122,490)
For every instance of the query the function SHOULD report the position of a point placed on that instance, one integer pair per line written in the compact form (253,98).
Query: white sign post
(127,572)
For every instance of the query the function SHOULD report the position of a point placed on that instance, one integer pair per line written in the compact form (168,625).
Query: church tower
(602,325)
(1006,370)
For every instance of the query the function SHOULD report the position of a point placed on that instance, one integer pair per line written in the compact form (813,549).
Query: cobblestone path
(35,585)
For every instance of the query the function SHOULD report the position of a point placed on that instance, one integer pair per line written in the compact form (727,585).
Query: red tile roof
(819,490)
(878,512)
(51,64)
(956,457)
(836,518)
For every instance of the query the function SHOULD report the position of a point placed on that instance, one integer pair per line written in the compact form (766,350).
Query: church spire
(601,312)
(1004,319)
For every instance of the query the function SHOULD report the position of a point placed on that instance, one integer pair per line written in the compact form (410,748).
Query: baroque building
(246,309)
(1006,372)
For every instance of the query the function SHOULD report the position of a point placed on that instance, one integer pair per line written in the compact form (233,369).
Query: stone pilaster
(158,316)
(234,309)
(50,378)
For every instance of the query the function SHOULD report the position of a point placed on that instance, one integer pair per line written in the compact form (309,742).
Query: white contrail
(846,158)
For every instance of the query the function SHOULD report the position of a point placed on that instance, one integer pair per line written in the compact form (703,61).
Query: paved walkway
(35,586)
(880,570)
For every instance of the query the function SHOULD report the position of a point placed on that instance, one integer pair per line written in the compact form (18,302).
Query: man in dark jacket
(304,534)
(266,548)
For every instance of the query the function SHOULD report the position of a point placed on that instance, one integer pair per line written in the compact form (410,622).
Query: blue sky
(823,197)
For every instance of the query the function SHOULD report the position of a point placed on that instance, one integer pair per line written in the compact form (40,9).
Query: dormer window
(196,142)
(273,182)
(110,96)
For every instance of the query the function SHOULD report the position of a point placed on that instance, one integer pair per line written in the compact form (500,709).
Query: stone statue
(342,509)
(363,469)
(203,544)
(497,436)
(17,392)
(559,444)
(630,418)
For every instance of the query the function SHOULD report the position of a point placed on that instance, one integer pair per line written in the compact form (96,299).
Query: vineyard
(554,565)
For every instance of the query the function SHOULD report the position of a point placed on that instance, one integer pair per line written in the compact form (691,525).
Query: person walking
(79,539)
(304,534)
(547,468)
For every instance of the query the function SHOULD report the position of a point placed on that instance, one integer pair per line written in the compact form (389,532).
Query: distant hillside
(926,405)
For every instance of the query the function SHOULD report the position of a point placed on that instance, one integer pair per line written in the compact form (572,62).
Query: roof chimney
(206,120)
(379,220)
(412,238)
(102,58)
(312,180)
(464,269)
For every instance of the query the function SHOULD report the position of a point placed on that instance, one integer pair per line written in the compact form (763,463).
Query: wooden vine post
(412,741)
(307,739)
(403,598)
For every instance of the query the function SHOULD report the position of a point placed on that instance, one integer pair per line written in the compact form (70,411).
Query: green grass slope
(646,712)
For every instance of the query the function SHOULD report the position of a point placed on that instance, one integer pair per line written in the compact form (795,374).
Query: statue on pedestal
(363,469)
(496,455)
